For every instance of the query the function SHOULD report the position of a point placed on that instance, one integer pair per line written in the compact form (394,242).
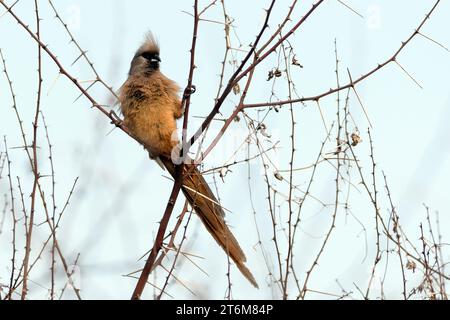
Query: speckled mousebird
(151,106)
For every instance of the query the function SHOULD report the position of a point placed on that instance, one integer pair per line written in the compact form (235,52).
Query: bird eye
(151,56)
(147,55)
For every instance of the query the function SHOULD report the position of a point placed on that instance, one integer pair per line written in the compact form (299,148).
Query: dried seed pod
(237,89)
(278,176)
(356,139)
(223,173)
(263,129)
(295,62)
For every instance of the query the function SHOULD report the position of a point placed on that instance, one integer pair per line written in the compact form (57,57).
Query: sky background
(120,196)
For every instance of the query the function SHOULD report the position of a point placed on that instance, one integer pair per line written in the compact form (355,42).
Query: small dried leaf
(223,173)
(420,288)
(278,73)
(338,150)
(295,62)
(270,75)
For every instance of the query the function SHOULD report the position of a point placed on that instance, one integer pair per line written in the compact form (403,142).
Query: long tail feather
(205,204)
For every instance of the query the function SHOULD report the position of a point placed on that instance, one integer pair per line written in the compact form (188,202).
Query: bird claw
(190,91)
(115,119)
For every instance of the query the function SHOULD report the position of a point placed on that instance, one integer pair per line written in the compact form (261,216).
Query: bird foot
(190,91)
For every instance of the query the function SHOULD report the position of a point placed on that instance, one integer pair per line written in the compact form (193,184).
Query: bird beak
(156,58)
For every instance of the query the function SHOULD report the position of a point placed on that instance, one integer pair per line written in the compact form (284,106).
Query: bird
(151,105)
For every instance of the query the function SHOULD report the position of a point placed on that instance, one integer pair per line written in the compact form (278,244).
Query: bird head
(146,60)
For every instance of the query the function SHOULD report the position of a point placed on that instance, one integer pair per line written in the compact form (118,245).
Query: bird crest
(150,44)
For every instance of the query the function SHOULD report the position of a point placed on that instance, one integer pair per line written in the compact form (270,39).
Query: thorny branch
(345,157)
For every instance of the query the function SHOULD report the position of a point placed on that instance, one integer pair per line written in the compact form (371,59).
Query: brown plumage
(151,105)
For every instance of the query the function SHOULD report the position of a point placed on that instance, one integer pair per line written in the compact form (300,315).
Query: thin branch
(360,79)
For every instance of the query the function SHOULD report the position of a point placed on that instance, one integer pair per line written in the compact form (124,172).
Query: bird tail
(205,204)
